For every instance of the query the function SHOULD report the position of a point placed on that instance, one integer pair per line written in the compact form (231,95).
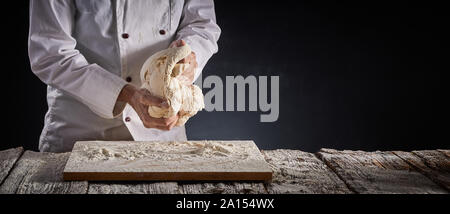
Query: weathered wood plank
(294,172)
(377,172)
(41,173)
(301,172)
(437,175)
(223,188)
(174,188)
(434,159)
(445,152)
(133,188)
(7,160)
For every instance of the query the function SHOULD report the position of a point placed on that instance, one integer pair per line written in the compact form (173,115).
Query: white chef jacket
(87,50)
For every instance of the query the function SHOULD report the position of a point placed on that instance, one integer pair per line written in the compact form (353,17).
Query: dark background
(352,75)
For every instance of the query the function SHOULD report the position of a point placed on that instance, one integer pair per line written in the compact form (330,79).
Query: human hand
(187,77)
(140,100)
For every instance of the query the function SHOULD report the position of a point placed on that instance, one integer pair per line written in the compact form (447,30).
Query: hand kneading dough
(158,75)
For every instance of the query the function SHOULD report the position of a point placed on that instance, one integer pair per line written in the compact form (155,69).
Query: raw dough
(159,75)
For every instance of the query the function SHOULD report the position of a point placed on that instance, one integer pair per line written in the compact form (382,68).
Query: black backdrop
(352,76)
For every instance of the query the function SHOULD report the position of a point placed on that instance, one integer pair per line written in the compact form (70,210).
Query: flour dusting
(165,151)
(171,156)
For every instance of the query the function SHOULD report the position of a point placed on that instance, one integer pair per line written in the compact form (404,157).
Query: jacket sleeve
(55,61)
(198,28)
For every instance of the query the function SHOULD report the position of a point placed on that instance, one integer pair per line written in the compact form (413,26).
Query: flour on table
(159,75)
(138,156)
(166,151)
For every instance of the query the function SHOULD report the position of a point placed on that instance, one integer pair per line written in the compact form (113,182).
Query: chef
(90,52)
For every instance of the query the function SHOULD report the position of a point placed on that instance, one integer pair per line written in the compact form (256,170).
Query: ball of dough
(159,75)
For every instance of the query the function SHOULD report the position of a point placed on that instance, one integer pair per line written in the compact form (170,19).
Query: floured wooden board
(167,161)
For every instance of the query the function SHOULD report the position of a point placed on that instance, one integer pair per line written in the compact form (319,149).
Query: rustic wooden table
(327,171)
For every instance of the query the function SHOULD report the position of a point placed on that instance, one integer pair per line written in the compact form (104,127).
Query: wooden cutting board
(167,161)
